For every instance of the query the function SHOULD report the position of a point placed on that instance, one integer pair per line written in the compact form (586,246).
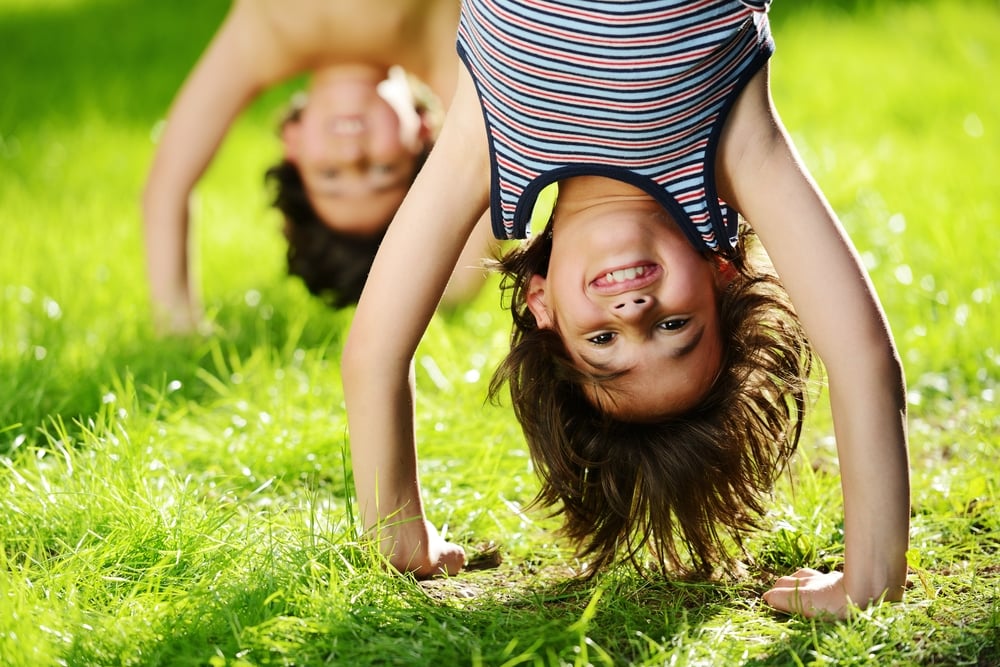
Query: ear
(724,272)
(427,131)
(537,303)
(291,139)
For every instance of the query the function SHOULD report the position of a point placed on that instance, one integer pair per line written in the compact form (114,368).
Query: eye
(672,325)
(382,169)
(601,338)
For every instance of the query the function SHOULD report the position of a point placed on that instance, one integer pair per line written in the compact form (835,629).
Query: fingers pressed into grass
(810,593)
(421,551)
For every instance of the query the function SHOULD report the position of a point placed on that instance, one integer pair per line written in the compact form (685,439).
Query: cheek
(313,145)
(310,128)
(572,310)
(697,284)
(385,136)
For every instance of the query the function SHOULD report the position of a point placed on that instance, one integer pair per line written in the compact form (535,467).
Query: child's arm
(764,178)
(406,281)
(230,73)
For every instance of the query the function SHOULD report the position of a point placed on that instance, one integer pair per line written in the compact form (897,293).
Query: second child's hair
(333,266)
(680,486)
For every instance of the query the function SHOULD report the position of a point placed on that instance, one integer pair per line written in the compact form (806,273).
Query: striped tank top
(630,89)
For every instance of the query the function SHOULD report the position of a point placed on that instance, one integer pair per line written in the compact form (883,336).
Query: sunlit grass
(188,501)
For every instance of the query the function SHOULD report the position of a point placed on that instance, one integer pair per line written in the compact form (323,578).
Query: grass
(187,502)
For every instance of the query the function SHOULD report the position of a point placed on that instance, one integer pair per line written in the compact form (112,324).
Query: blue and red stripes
(623,88)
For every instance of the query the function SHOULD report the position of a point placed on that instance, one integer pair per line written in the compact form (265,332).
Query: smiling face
(356,144)
(632,300)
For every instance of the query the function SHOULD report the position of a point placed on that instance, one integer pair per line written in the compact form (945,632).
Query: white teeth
(624,274)
(347,125)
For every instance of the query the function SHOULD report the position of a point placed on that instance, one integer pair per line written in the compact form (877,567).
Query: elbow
(368,376)
(151,198)
(359,360)
(147,202)
(164,199)
(352,361)
(152,204)
(885,360)
(870,361)
(374,352)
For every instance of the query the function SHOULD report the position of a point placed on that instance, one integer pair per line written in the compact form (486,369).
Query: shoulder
(282,38)
(264,36)
(752,129)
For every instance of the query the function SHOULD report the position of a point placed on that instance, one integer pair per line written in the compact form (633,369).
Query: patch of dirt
(488,577)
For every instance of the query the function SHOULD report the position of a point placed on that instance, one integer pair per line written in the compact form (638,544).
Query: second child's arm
(764,177)
(406,282)
(242,59)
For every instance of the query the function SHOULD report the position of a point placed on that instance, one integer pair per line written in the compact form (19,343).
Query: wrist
(876,583)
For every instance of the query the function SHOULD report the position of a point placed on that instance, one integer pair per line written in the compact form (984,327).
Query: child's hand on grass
(421,551)
(180,322)
(810,593)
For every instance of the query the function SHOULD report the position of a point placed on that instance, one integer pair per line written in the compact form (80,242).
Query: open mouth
(347,125)
(626,279)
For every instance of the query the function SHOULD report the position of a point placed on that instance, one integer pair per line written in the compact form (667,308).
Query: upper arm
(763,177)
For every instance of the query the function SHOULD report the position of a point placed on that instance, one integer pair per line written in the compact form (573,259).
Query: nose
(344,140)
(348,151)
(632,306)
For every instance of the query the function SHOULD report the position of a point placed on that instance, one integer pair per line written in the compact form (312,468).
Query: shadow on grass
(627,620)
(622,616)
(523,617)
(389,620)
(365,618)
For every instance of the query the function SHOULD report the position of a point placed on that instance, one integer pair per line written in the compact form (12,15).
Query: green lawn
(187,502)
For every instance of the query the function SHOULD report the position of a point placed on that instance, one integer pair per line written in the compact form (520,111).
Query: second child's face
(356,146)
(634,302)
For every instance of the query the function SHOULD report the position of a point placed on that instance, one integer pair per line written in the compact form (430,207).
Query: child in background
(641,321)
(351,149)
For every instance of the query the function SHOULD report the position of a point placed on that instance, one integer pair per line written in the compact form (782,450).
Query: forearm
(847,327)
(383,453)
(175,303)
(225,79)
(379,392)
(842,315)
(379,387)
(869,408)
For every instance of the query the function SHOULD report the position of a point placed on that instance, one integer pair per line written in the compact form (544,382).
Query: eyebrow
(679,353)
